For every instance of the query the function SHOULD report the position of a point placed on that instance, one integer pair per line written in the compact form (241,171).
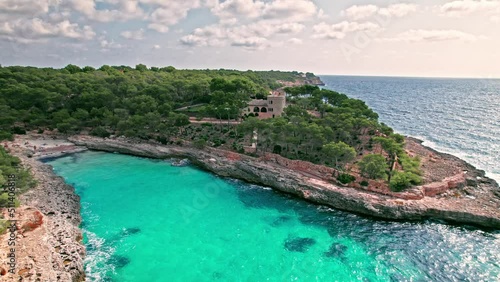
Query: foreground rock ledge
(476,202)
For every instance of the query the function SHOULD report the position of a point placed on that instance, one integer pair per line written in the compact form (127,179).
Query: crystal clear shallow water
(145,220)
(457,116)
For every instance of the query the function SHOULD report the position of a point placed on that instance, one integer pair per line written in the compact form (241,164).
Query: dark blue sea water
(457,116)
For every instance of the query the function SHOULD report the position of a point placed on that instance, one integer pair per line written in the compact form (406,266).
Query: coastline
(473,199)
(49,242)
(55,249)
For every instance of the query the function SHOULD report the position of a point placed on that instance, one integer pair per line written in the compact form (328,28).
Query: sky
(439,38)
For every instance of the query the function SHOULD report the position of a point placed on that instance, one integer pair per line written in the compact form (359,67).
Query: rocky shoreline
(473,199)
(49,242)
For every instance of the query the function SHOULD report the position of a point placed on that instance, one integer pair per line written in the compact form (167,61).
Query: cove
(145,220)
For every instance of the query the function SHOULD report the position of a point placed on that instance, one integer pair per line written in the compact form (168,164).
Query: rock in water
(336,250)
(281,220)
(299,244)
(131,231)
(119,261)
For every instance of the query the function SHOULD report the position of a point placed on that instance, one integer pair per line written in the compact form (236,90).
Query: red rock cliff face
(480,206)
(447,184)
(319,171)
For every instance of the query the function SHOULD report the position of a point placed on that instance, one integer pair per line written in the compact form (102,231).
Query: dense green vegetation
(11,166)
(12,177)
(135,102)
(320,126)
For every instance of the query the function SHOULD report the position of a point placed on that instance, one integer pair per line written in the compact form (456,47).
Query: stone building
(270,107)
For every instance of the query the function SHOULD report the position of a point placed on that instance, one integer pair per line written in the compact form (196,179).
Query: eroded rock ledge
(469,197)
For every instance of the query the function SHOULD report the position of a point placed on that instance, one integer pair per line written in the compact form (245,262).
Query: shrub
(162,139)
(18,130)
(5,200)
(364,183)
(200,143)
(217,143)
(410,164)
(345,178)
(4,224)
(4,135)
(373,166)
(100,132)
(401,180)
(63,127)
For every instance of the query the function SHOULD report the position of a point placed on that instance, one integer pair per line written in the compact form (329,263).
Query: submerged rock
(299,244)
(281,220)
(131,231)
(336,250)
(119,261)
(183,162)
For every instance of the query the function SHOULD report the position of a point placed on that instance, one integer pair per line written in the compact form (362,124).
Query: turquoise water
(457,116)
(145,220)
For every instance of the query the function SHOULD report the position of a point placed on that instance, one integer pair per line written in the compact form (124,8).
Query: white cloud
(250,42)
(125,10)
(169,13)
(398,10)
(194,40)
(296,41)
(158,27)
(361,12)
(107,45)
(289,28)
(135,35)
(340,30)
(296,10)
(465,7)
(156,47)
(28,7)
(285,10)
(422,35)
(255,35)
(37,29)
(321,14)
(233,8)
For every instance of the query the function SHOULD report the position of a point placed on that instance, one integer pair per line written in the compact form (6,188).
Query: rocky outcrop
(475,204)
(48,243)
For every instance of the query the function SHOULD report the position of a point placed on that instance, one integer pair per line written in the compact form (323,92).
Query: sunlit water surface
(457,116)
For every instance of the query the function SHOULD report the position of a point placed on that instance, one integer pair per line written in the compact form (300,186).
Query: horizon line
(409,76)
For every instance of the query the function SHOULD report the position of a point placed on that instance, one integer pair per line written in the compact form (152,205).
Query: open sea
(145,220)
(456,116)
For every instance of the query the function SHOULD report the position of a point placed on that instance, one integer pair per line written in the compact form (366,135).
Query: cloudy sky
(444,38)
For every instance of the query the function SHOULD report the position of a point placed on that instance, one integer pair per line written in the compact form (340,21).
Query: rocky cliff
(477,203)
